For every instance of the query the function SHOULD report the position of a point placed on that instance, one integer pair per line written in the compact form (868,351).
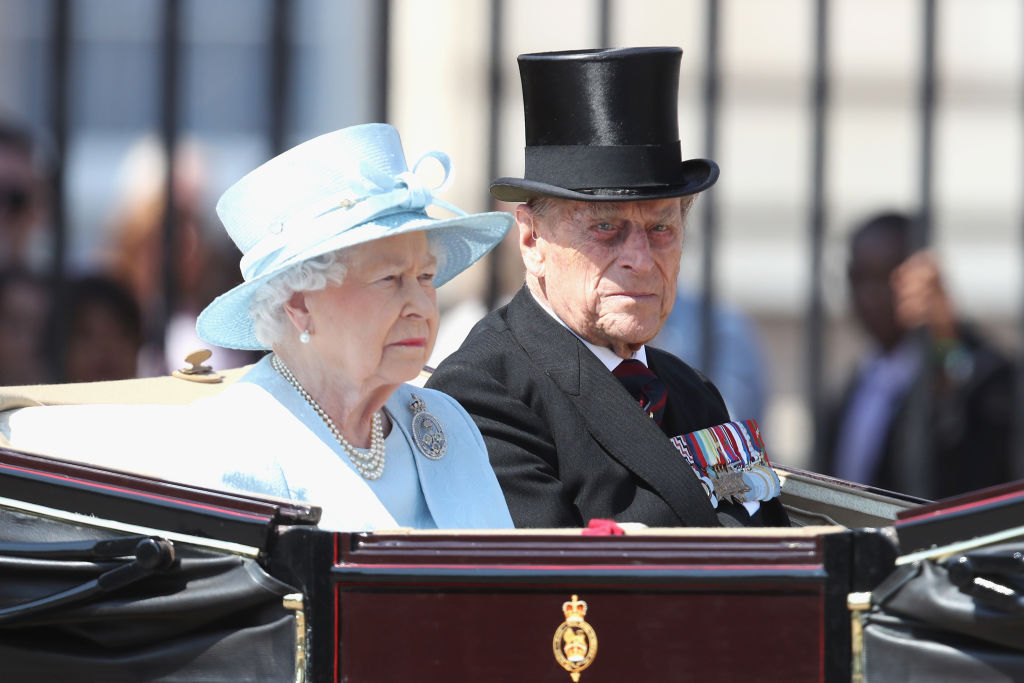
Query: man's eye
(604,227)
(661,227)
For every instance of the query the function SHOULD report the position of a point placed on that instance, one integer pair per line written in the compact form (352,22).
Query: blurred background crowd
(851,134)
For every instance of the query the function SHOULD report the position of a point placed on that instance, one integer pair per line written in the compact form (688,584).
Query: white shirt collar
(603,353)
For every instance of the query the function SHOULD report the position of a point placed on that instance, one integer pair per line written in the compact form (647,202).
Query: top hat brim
(695,175)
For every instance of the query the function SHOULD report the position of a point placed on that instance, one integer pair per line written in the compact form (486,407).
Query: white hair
(270,322)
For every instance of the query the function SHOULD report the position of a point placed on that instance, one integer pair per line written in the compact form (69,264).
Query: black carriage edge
(119,576)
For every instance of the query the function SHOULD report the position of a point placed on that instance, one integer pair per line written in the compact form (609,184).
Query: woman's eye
(427,277)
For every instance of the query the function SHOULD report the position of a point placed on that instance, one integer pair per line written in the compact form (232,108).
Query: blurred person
(202,264)
(738,367)
(582,419)
(22,199)
(24,302)
(895,292)
(102,331)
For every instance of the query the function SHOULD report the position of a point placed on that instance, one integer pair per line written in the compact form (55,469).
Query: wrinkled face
(607,269)
(378,326)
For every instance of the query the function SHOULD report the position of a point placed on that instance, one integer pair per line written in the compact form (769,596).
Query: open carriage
(116,576)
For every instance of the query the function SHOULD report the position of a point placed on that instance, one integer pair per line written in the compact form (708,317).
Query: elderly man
(601,231)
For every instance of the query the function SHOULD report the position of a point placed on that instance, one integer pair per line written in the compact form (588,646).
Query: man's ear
(298,312)
(530,243)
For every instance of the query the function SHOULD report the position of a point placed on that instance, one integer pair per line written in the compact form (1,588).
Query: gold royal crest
(575,642)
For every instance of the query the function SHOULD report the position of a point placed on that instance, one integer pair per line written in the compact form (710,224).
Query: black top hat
(602,126)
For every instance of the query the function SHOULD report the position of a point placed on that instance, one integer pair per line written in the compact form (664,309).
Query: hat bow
(373,195)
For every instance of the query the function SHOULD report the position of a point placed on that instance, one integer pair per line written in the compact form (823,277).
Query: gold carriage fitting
(575,642)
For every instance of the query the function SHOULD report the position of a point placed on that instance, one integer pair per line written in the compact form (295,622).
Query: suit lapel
(611,415)
(552,347)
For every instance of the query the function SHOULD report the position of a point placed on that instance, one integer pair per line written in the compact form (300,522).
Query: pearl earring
(304,337)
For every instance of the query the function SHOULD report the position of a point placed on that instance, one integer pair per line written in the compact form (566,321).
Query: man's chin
(631,329)
(634,338)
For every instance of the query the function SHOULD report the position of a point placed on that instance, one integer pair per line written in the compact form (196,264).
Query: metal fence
(279,70)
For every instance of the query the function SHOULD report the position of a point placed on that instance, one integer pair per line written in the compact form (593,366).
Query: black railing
(495,84)
(816,233)
(280,70)
(280,64)
(711,101)
(59,120)
(170,103)
(918,467)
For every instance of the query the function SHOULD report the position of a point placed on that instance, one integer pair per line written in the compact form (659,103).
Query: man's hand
(920,299)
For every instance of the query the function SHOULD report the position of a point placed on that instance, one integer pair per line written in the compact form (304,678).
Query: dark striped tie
(644,385)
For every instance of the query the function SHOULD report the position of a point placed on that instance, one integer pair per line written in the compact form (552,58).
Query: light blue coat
(260,436)
(460,490)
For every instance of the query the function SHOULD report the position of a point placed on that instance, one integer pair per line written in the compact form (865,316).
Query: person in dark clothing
(24,301)
(560,380)
(873,436)
(23,199)
(101,328)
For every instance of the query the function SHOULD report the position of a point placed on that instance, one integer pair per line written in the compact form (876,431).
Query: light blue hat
(334,191)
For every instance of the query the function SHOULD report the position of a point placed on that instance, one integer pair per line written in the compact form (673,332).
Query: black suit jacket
(567,441)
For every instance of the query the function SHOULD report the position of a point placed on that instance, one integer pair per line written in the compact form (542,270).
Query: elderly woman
(340,262)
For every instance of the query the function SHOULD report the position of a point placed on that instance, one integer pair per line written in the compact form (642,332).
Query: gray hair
(542,206)
(270,322)
(548,207)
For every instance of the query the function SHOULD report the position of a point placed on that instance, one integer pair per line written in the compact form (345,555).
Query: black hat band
(606,166)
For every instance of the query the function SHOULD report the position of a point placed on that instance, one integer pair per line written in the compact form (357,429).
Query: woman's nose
(421,300)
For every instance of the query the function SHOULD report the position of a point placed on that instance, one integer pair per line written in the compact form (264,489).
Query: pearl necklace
(369,463)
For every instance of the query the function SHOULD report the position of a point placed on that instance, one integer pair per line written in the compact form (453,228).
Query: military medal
(749,436)
(756,482)
(726,466)
(730,462)
(427,432)
(728,483)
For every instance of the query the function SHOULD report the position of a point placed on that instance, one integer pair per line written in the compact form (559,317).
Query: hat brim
(695,175)
(458,242)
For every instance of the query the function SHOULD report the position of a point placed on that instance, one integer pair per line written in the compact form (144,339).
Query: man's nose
(636,251)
